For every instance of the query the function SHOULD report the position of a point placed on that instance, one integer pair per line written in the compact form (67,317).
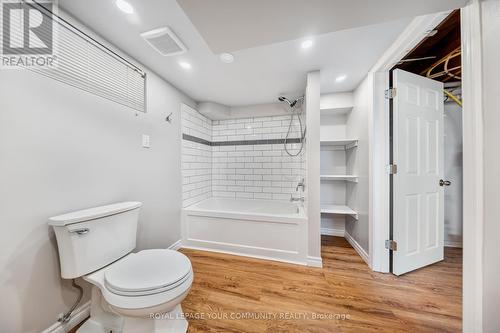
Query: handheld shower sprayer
(295,111)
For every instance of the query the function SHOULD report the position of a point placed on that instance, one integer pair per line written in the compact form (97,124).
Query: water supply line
(65,317)
(453,97)
(450,73)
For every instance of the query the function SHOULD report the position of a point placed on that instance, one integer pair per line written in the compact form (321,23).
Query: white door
(418,152)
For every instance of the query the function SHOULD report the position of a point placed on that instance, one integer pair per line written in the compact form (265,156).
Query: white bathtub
(267,229)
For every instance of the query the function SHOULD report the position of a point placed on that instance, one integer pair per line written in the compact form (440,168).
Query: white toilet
(132,292)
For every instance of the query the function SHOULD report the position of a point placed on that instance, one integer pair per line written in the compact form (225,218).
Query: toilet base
(171,322)
(104,320)
(134,325)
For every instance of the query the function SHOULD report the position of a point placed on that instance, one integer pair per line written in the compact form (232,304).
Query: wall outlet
(145,141)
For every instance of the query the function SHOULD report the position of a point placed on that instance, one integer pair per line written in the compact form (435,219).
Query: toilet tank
(92,238)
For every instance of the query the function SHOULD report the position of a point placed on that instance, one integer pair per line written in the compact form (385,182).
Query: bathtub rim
(298,218)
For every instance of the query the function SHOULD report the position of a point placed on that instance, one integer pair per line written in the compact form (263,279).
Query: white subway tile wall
(263,171)
(196,157)
(260,171)
(256,172)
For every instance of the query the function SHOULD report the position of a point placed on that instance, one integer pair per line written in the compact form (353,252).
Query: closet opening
(426,148)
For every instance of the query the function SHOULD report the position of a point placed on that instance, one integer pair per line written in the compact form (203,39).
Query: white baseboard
(79,315)
(314,261)
(362,253)
(177,245)
(453,244)
(333,232)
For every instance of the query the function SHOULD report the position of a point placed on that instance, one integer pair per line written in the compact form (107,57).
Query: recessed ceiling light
(226,58)
(340,78)
(307,44)
(185,65)
(124,6)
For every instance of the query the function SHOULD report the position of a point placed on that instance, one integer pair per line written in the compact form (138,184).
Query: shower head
(284,99)
(290,103)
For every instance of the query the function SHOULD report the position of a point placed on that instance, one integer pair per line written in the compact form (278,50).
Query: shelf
(336,111)
(348,178)
(346,144)
(338,210)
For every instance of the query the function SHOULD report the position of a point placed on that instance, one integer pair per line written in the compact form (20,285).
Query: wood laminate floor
(343,296)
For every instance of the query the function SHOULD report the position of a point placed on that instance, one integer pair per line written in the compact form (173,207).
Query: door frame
(379,224)
(472,114)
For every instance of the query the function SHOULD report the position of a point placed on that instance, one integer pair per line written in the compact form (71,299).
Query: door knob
(444,182)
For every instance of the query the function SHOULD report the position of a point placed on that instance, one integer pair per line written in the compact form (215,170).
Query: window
(83,62)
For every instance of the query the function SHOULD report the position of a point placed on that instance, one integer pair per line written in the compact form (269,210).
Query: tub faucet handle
(300,184)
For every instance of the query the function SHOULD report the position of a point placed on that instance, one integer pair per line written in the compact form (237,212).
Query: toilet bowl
(146,286)
(132,292)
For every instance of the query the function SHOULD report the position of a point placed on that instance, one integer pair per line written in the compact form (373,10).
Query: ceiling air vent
(164,41)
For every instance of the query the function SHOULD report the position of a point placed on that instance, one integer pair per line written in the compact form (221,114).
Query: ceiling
(439,46)
(230,25)
(259,74)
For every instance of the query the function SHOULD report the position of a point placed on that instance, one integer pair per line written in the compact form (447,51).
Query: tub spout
(301,199)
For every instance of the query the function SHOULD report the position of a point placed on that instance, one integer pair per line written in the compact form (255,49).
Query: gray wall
(491,88)
(453,171)
(216,111)
(62,149)
(313,164)
(358,162)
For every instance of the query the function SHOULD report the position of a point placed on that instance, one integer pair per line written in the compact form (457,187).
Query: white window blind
(84,63)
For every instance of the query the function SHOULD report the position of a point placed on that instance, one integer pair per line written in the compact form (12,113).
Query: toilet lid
(146,271)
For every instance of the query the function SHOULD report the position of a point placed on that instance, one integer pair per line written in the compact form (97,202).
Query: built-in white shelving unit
(337,150)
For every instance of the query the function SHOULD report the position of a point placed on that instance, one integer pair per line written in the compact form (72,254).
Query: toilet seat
(147,272)
(140,289)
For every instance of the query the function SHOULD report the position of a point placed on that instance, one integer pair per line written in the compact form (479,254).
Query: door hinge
(391,245)
(390,93)
(393,169)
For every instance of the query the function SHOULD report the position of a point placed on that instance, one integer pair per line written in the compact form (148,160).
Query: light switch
(145,141)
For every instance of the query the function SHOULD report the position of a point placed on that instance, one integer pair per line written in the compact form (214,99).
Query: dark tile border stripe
(239,143)
(196,139)
(255,142)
